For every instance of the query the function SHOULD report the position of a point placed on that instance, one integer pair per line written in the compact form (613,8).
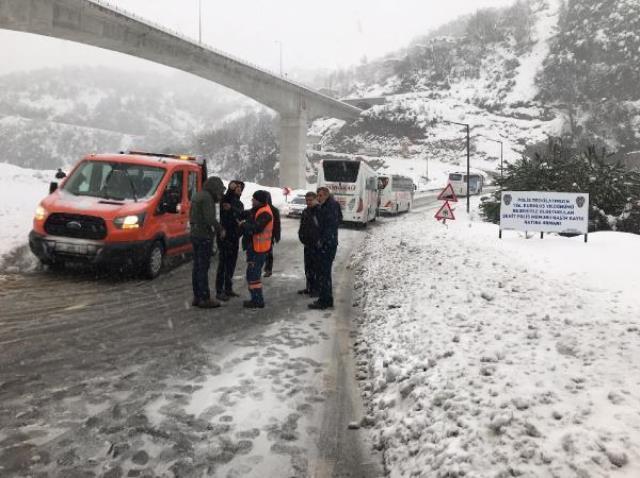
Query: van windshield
(341,171)
(112,180)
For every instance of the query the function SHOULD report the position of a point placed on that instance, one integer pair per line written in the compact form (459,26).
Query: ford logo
(74,225)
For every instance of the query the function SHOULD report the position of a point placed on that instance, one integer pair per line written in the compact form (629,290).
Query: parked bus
(458,182)
(354,185)
(396,194)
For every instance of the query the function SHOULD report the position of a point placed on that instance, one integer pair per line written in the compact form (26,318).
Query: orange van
(128,208)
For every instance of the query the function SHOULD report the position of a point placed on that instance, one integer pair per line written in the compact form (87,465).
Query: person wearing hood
(257,228)
(231,211)
(204,229)
(268,265)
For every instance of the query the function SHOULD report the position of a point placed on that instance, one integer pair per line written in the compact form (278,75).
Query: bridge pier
(293,147)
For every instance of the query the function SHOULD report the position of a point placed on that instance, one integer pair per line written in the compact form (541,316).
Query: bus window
(382,183)
(402,183)
(341,171)
(455,177)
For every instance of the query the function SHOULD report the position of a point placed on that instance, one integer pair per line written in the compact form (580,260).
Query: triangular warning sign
(447,194)
(445,212)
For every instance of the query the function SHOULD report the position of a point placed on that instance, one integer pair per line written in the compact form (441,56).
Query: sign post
(445,212)
(544,211)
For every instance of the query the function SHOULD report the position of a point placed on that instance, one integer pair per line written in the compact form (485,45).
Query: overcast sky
(319,34)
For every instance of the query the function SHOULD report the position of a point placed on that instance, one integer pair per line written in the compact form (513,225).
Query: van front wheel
(153,263)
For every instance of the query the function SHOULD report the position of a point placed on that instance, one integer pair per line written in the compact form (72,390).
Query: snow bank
(482,357)
(20,192)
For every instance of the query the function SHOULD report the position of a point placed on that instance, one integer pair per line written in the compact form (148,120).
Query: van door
(176,222)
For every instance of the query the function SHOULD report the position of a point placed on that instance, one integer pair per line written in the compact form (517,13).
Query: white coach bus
(396,194)
(458,182)
(354,185)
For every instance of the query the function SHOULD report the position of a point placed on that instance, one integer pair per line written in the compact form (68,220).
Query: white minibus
(396,193)
(354,185)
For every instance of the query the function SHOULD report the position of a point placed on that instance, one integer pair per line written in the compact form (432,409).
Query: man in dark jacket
(309,235)
(329,218)
(258,231)
(268,265)
(204,228)
(231,211)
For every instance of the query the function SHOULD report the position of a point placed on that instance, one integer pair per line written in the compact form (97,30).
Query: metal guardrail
(132,16)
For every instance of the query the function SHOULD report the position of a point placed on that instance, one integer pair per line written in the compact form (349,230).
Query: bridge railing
(157,26)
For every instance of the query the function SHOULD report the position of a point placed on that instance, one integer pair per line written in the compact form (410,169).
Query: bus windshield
(455,177)
(341,171)
(382,182)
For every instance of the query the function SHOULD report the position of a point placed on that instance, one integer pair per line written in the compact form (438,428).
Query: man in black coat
(205,228)
(329,218)
(268,265)
(231,210)
(309,235)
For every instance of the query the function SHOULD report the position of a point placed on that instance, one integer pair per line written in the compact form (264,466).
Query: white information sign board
(544,211)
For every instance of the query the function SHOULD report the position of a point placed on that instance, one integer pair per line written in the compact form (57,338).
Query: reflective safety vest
(262,240)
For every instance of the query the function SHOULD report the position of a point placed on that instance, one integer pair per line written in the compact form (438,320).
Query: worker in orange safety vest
(257,227)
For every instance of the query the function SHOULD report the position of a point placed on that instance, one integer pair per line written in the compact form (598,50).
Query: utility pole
(280,44)
(199,21)
(468,157)
(426,158)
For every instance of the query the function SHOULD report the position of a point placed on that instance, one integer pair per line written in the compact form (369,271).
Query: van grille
(76,225)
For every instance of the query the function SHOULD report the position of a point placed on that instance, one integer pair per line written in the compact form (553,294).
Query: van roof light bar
(163,155)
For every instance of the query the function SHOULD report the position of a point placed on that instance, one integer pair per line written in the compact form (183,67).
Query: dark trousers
(268,262)
(228,258)
(201,261)
(325,263)
(311,268)
(255,262)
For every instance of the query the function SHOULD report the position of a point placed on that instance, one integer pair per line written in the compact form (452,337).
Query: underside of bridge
(97,24)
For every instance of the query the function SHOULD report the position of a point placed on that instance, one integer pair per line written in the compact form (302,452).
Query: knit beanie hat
(261,196)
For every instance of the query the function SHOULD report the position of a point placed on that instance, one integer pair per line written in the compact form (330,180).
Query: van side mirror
(53,186)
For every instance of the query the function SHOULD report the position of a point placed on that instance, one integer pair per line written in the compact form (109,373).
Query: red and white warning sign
(447,194)
(445,213)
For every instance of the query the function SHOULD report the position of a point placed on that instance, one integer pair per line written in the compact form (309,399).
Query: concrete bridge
(98,24)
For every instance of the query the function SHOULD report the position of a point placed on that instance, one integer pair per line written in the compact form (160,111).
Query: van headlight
(40,213)
(129,222)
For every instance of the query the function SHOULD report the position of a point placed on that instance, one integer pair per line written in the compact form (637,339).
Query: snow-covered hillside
(501,76)
(50,118)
